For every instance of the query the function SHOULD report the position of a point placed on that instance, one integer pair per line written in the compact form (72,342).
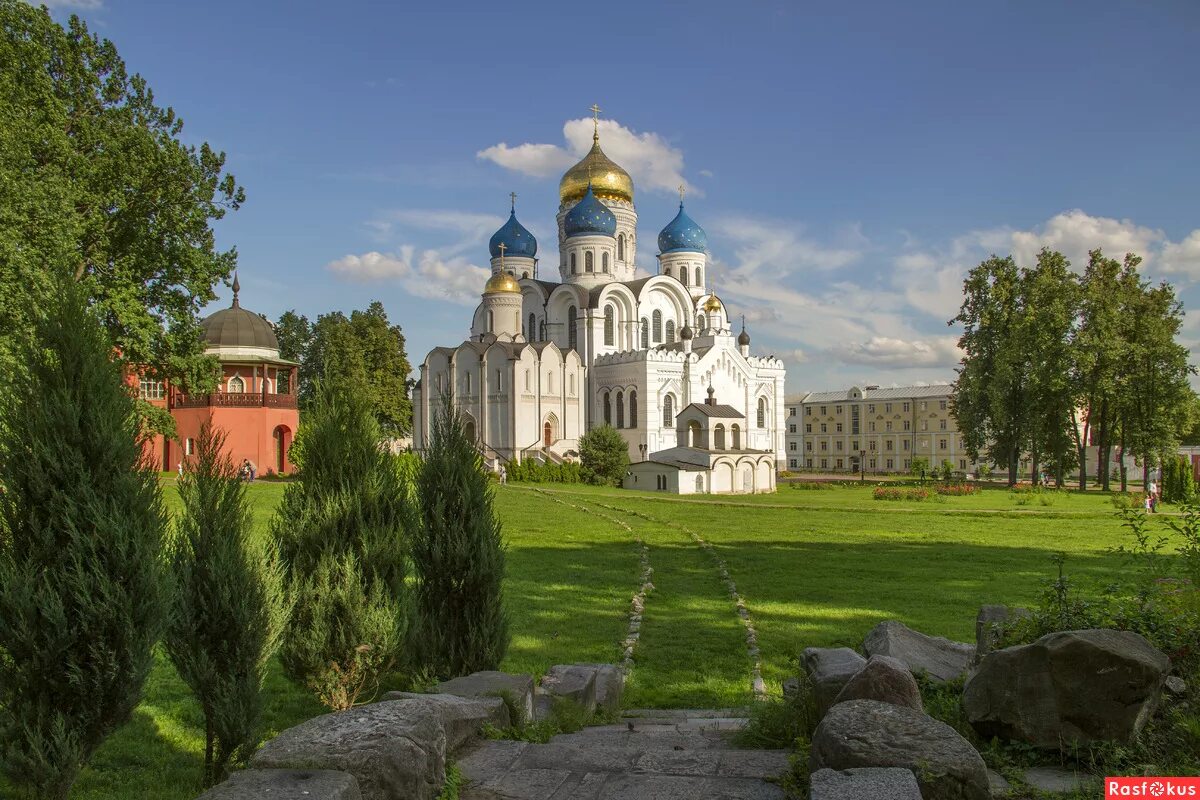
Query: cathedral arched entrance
(469,428)
(550,430)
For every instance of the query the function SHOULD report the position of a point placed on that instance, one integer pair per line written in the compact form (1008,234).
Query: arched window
(719,437)
(467,382)
(699,322)
(699,278)
(670,331)
(572,384)
(656,325)
(669,411)
(762,412)
(499,381)
(645,333)
(607,409)
(695,434)
(550,381)
(491,320)
(609,324)
(633,408)
(621,247)
(572,334)
(620,409)
(604,261)
(573,270)
(589,261)
(542,331)
(736,434)
(528,386)
(532,327)
(682,276)
(237,385)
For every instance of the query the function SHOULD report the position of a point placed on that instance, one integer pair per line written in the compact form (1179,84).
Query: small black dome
(743,337)
(686,332)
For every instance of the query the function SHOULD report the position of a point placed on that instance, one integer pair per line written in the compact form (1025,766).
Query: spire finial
(743,323)
(237,287)
(595,122)
(682,189)
(513,197)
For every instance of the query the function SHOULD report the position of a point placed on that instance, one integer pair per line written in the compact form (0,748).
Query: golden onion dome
(713,303)
(502,282)
(609,181)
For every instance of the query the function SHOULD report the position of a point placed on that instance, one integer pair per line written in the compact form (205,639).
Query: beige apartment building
(873,429)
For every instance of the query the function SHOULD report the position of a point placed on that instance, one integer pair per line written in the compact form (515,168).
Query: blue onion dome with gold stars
(682,233)
(590,217)
(517,240)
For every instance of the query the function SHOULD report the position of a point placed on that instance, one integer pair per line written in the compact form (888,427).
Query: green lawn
(815,568)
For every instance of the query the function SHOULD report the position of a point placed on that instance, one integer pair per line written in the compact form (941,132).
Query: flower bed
(958,489)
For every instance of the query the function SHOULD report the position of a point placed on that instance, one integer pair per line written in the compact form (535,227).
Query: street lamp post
(862,465)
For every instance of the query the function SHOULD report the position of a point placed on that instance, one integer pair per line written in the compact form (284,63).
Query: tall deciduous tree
(458,556)
(363,351)
(96,185)
(83,594)
(604,455)
(990,393)
(229,608)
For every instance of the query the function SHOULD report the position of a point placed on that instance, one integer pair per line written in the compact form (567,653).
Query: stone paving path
(651,755)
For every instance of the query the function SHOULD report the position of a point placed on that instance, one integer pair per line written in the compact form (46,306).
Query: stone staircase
(650,755)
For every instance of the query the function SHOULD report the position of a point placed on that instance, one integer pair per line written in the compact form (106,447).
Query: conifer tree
(341,531)
(83,591)
(229,607)
(458,557)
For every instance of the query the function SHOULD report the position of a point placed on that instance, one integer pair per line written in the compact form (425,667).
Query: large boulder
(393,749)
(285,784)
(829,669)
(865,783)
(610,685)
(518,689)
(885,679)
(938,658)
(461,717)
(990,624)
(868,733)
(1067,687)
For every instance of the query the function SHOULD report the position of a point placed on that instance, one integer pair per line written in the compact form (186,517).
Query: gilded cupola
(608,180)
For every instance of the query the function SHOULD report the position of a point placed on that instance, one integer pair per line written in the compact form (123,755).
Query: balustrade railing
(233,400)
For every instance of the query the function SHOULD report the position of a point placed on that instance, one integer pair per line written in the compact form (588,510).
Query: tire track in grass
(757,686)
(637,605)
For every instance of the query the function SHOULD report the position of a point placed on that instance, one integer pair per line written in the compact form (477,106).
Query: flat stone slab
(492,683)
(569,681)
(998,784)
(286,784)
(610,686)
(934,656)
(865,783)
(673,787)
(462,717)
(1056,780)
(614,736)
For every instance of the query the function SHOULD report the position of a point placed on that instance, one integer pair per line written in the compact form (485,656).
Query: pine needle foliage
(229,607)
(458,556)
(341,532)
(83,589)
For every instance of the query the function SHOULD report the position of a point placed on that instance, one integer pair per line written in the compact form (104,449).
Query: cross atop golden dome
(608,180)
(713,303)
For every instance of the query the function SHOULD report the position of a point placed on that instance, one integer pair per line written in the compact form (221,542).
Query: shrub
(83,592)
(605,456)
(341,531)
(458,556)
(532,471)
(887,493)
(957,489)
(1127,500)
(811,486)
(1178,485)
(229,608)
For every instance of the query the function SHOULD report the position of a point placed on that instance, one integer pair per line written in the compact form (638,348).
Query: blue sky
(850,161)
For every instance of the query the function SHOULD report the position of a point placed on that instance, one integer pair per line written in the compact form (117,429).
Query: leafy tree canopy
(96,184)
(604,455)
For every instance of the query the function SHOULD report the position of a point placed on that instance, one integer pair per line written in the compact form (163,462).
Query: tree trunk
(1082,448)
(1058,472)
(1103,450)
(209,737)
(1124,477)
(1034,474)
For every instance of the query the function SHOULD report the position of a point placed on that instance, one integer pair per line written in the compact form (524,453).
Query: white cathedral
(655,357)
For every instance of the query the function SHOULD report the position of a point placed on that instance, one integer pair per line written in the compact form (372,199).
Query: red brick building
(255,403)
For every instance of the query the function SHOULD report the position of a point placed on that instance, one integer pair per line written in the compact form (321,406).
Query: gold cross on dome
(682,189)
(513,197)
(595,121)
(503,247)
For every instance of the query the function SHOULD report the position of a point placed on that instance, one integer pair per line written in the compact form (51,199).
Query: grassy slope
(816,568)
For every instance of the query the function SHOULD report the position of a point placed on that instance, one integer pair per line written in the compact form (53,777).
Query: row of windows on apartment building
(887,426)
(888,444)
(923,405)
(840,463)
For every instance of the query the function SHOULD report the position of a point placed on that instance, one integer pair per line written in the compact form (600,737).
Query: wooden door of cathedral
(548,434)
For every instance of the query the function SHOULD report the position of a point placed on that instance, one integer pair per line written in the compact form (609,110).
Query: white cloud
(426,274)
(1073,233)
(885,351)
(648,158)
(1182,257)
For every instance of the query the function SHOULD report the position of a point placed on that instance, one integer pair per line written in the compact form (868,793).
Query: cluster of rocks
(398,747)
(874,739)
